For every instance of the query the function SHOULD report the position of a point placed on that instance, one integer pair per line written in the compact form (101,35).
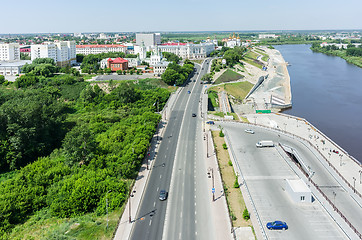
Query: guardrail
(325,196)
(246,186)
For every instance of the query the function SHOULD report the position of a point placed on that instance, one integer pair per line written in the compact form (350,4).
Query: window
(302,198)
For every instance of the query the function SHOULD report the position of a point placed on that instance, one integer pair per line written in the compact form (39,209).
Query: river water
(327,91)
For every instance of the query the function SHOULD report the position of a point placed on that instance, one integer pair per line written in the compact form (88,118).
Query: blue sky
(39,16)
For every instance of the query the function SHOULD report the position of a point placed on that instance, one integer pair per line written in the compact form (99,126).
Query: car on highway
(210,122)
(163,195)
(194,115)
(249,131)
(277,225)
(188,92)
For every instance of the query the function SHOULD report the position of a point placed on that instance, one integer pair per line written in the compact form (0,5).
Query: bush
(224,146)
(236,183)
(230,163)
(233,217)
(221,134)
(246,214)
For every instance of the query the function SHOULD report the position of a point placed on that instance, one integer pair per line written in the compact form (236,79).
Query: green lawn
(213,98)
(251,62)
(251,55)
(228,76)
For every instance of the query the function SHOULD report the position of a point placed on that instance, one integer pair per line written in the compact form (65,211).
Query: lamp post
(213,184)
(340,162)
(334,198)
(207,146)
(354,184)
(285,126)
(360,175)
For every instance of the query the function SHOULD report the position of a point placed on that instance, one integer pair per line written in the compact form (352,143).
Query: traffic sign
(213,190)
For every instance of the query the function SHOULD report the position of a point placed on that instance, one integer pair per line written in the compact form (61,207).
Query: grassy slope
(228,76)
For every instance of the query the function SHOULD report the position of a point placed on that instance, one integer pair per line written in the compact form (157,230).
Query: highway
(176,160)
(265,172)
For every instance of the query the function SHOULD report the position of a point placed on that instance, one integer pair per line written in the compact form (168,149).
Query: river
(327,91)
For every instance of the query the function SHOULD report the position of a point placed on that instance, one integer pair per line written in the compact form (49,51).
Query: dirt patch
(235,199)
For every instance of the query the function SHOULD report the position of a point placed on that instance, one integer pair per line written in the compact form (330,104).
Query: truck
(265,143)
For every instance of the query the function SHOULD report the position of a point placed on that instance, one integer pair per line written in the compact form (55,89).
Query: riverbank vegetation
(351,54)
(66,148)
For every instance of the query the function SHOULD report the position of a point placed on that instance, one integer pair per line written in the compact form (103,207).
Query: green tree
(2,79)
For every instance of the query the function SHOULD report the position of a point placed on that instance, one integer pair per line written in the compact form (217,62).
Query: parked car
(249,131)
(194,115)
(188,92)
(163,195)
(210,122)
(277,225)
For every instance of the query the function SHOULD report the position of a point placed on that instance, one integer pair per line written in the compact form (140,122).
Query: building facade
(63,53)
(9,52)
(187,50)
(12,68)
(148,39)
(96,49)
(117,64)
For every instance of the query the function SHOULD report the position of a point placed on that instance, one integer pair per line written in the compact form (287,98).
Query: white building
(261,36)
(298,191)
(62,52)
(160,68)
(12,68)
(149,39)
(233,41)
(188,51)
(9,51)
(96,49)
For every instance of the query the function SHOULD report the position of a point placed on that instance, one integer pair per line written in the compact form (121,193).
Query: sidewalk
(124,226)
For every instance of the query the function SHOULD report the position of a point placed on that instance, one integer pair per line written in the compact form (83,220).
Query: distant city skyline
(40,16)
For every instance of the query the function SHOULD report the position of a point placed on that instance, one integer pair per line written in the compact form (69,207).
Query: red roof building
(117,64)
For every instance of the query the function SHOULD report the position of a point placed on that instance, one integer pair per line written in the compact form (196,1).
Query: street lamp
(213,184)
(334,198)
(285,126)
(340,162)
(360,175)
(354,184)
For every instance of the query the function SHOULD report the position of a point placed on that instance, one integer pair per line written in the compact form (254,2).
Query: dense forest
(65,144)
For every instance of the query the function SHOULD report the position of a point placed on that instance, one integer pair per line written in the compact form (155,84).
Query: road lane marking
(150,223)
(154,203)
(160,176)
(181,214)
(157,188)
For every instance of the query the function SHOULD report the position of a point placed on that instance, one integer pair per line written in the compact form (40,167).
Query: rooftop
(101,46)
(298,185)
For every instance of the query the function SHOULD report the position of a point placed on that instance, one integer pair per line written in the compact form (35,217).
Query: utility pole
(354,184)
(207,145)
(129,206)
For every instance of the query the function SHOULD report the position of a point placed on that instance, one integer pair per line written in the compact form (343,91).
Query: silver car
(249,131)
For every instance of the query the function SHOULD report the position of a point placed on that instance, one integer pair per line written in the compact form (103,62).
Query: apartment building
(9,52)
(63,52)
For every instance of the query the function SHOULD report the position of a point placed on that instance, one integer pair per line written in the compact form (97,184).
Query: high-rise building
(9,52)
(149,39)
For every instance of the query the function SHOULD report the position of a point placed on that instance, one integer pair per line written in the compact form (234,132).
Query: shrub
(236,183)
(221,134)
(246,214)
(224,146)
(233,217)
(230,163)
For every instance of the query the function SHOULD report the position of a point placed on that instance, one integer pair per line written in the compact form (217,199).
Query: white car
(249,131)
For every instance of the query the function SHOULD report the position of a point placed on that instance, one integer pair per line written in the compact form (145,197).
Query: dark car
(277,225)
(210,122)
(188,92)
(194,115)
(163,195)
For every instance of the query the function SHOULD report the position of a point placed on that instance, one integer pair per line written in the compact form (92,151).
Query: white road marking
(181,214)
(160,176)
(154,204)
(179,236)
(157,188)
(150,223)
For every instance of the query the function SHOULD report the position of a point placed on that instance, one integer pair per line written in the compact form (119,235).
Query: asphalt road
(179,138)
(265,172)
